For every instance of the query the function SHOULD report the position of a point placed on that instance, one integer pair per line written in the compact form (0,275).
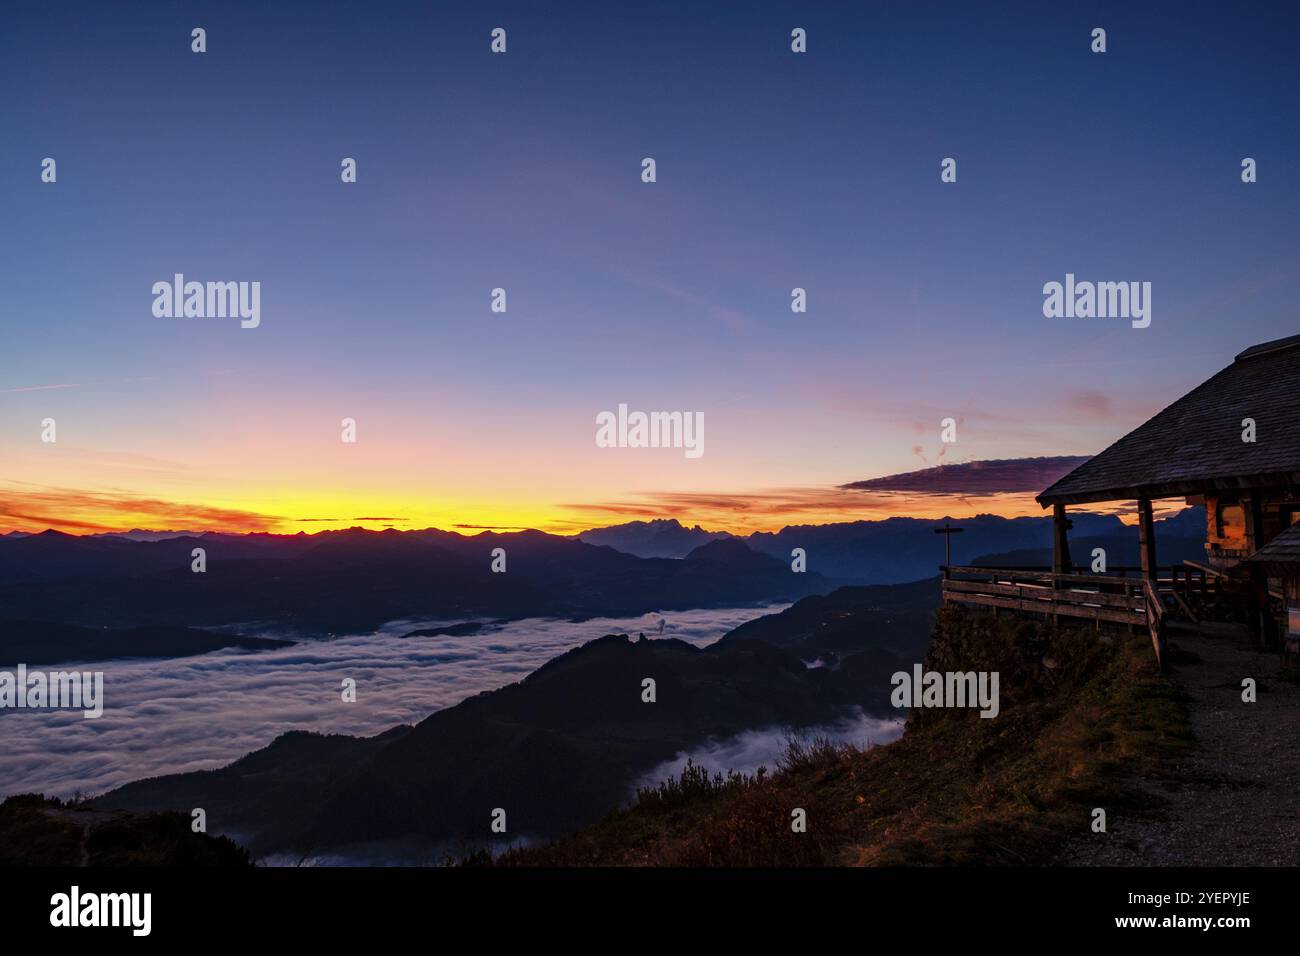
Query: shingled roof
(1282,552)
(1194,446)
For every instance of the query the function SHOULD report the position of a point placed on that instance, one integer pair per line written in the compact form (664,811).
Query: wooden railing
(1089,596)
(1112,599)
(1155,620)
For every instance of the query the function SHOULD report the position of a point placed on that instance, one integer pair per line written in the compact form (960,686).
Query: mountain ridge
(559,748)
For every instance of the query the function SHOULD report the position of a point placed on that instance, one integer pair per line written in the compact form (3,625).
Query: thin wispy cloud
(39,388)
(727,315)
(80,511)
(769,510)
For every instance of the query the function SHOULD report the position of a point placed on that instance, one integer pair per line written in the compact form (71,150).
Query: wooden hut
(1280,561)
(1231,444)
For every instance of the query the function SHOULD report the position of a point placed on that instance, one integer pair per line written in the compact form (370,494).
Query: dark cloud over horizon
(997,476)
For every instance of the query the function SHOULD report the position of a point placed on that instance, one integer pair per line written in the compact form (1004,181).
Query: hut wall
(1226,524)
(1293,608)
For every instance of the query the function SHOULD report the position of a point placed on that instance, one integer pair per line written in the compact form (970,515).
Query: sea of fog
(743,753)
(746,752)
(172,715)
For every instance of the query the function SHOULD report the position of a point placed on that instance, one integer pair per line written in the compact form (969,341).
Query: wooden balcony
(1099,598)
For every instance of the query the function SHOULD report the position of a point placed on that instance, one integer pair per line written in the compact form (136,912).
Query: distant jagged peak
(654,538)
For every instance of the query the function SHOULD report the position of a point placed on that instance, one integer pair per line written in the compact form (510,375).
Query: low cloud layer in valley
(175,715)
(746,752)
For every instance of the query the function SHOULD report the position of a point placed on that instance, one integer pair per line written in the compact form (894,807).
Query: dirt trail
(85,819)
(1236,799)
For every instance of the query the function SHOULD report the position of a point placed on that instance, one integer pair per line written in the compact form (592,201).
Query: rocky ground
(1236,800)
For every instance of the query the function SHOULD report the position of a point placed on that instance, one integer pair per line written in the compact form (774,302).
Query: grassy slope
(36,831)
(1080,717)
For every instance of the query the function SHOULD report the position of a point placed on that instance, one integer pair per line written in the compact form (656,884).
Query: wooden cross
(947,531)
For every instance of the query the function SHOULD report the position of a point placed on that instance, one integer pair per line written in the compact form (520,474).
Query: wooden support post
(1262,627)
(1258,606)
(1147,539)
(1253,507)
(1060,540)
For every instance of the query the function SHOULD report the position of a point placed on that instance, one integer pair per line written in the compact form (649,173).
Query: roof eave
(1171,489)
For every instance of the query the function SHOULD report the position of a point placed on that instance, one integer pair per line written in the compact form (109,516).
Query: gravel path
(86,819)
(1236,800)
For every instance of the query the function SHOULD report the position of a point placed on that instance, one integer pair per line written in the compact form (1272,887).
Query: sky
(522,171)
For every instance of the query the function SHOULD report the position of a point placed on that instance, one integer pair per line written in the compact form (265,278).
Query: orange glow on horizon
(31,509)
